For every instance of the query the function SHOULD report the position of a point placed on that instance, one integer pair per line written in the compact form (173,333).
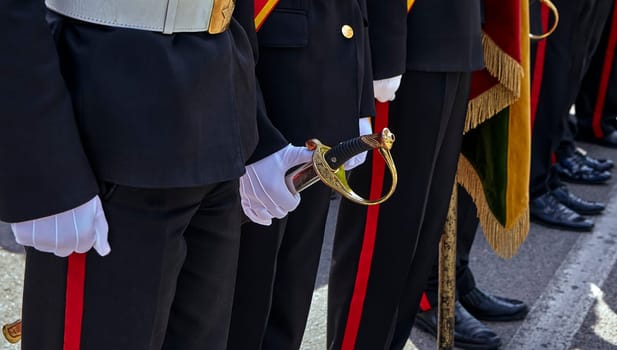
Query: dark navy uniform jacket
(452,42)
(318,84)
(138,108)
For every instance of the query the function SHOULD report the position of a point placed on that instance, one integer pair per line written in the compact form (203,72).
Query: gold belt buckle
(222,11)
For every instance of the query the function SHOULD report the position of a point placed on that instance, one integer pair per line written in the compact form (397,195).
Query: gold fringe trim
(502,66)
(505,241)
(486,105)
(509,74)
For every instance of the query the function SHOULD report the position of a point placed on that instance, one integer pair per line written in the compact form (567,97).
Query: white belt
(166,16)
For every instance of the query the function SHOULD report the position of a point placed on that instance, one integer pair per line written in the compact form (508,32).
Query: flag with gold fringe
(494,162)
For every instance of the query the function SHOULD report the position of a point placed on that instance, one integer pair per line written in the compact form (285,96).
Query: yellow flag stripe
(264,12)
(519,152)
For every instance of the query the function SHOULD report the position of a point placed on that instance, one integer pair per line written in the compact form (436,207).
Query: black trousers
(374,281)
(276,276)
(167,283)
(466,225)
(586,99)
(568,51)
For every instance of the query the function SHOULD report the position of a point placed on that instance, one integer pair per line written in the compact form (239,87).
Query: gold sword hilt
(336,179)
(12,331)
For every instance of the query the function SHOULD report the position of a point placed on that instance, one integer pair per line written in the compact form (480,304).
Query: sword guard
(336,179)
(553,9)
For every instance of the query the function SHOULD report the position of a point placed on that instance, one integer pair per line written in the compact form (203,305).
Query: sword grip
(344,151)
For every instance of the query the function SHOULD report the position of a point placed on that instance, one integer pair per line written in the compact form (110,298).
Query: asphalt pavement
(569,280)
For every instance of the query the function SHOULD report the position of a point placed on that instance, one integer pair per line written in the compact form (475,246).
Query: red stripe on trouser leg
(425,305)
(368,244)
(605,75)
(538,66)
(73,312)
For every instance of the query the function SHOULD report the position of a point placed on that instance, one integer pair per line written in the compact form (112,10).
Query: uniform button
(347,31)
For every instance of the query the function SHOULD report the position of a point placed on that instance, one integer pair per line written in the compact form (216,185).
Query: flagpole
(447,278)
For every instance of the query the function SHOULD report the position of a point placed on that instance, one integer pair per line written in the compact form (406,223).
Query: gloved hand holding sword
(327,164)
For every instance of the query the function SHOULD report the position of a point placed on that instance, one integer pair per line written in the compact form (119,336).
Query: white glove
(75,230)
(263,192)
(365,129)
(385,89)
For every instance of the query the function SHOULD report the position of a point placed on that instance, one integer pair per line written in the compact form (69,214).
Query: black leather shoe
(573,169)
(576,203)
(610,139)
(488,307)
(546,209)
(469,333)
(599,164)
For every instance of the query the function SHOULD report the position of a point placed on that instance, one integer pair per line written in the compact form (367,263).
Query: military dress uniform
(567,57)
(599,82)
(156,113)
(315,74)
(382,258)
(554,88)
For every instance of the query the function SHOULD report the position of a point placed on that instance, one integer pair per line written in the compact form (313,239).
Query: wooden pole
(447,279)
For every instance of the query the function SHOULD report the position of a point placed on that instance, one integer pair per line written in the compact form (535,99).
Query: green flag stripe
(486,148)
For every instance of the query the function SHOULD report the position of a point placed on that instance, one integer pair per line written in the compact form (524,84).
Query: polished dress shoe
(573,169)
(599,164)
(576,203)
(546,209)
(610,139)
(469,333)
(488,307)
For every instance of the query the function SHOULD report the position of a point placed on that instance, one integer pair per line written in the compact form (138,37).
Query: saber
(327,166)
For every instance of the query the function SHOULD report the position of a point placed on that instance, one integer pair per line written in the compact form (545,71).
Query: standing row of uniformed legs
(371,304)
(596,103)
(473,304)
(276,275)
(170,245)
(567,56)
